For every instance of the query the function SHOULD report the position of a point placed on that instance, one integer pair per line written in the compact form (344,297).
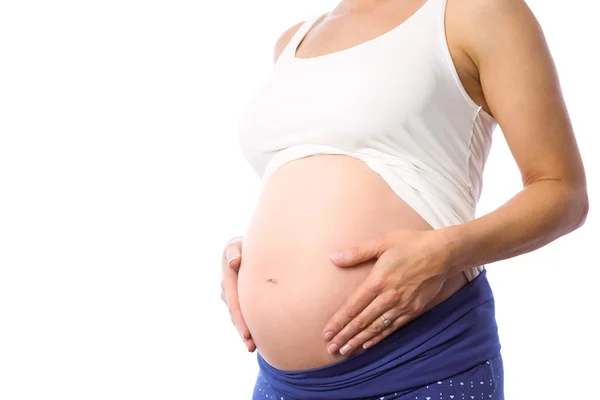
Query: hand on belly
(411,276)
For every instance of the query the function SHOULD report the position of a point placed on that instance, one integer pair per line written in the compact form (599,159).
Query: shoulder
(283,40)
(489,27)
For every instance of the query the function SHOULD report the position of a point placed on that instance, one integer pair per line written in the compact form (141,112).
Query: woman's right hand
(230,265)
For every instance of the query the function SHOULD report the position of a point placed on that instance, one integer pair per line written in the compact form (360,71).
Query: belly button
(271,280)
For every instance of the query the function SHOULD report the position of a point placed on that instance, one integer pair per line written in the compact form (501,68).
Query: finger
(375,328)
(354,306)
(358,254)
(396,324)
(368,322)
(232,253)
(250,345)
(233,305)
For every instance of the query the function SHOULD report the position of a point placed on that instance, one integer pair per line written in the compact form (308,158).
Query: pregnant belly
(288,287)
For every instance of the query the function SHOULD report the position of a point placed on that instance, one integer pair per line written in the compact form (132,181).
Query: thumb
(233,258)
(232,253)
(355,255)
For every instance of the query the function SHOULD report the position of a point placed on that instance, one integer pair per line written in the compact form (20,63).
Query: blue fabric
(452,338)
(482,382)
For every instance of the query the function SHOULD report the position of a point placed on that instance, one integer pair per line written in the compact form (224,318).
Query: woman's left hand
(410,270)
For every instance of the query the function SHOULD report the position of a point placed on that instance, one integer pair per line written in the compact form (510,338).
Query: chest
(342,94)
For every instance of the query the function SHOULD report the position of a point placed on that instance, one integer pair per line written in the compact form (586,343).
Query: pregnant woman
(361,274)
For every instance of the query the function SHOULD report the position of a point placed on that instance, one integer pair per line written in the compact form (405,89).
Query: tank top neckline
(308,25)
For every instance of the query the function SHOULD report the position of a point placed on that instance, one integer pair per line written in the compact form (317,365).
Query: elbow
(585,208)
(580,208)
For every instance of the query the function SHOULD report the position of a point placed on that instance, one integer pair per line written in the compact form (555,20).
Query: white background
(121,179)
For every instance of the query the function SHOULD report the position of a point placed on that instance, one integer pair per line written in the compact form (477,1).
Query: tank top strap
(289,52)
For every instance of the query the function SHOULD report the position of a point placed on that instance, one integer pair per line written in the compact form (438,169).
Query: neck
(357,5)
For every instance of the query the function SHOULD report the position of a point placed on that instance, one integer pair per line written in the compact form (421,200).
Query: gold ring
(386,322)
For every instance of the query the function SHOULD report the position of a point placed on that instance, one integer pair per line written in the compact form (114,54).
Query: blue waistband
(453,336)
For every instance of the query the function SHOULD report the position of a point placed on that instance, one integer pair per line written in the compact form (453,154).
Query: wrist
(456,245)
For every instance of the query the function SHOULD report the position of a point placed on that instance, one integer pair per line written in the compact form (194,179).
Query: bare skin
(505,66)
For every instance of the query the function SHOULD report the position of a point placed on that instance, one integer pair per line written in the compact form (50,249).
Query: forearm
(540,213)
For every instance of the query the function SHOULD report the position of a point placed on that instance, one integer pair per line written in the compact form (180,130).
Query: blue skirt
(454,347)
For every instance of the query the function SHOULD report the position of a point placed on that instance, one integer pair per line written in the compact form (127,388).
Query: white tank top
(395,102)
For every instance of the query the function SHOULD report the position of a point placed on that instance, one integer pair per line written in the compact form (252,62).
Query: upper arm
(284,39)
(521,87)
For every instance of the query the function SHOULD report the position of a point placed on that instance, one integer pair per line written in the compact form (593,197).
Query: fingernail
(346,349)
(367,344)
(337,257)
(332,348)
(328,336)
(231,259)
